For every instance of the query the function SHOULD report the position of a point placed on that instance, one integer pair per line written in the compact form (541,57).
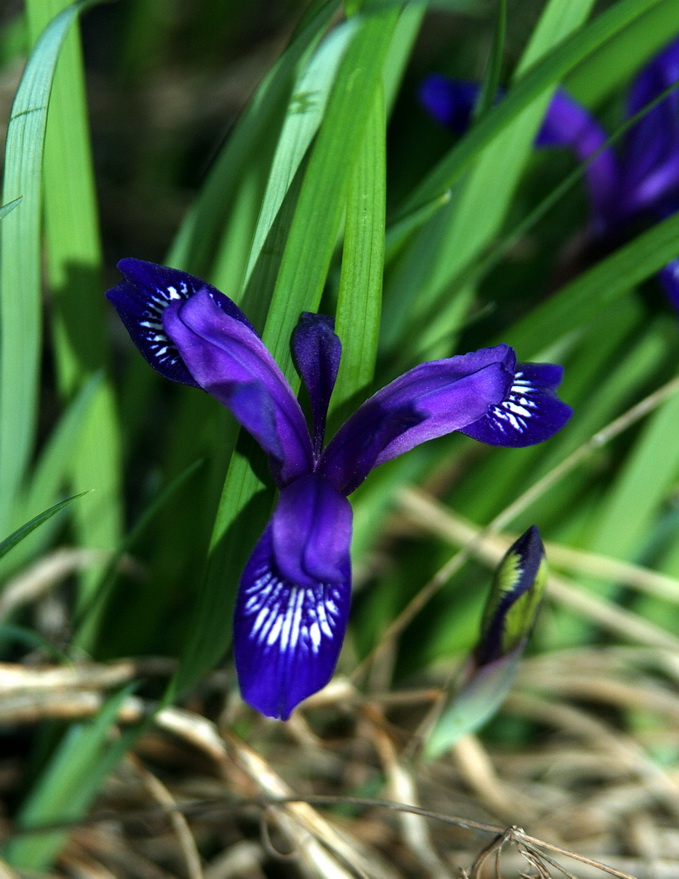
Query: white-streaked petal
(287,636)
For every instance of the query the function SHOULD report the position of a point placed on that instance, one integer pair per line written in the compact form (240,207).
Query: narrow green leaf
(491,81)
(305,112)
(615,62)
(400,50)
(239,522)
(360,291)
(580,300)
(70,782)
(6,208)
(646,481)
(462,232)
(199,234)
(20,323)
(74,272)
(322,198)
(17,536)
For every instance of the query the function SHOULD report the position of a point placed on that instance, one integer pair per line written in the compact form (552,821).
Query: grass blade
(20,322)
(17,536)
(69,783)
(307,106)
(74,271)
(197,239)
(360,292)
(461,233)
(580,300)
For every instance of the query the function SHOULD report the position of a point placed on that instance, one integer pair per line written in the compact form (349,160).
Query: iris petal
(229,360)
(651,166)
(429,401)
(529,413)
(669,278)
(141,299)
(316,350)
(288,632)
(450,101)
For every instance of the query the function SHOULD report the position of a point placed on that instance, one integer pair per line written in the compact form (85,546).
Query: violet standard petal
(229,360)
(142,297)
(287,634)
(316,351)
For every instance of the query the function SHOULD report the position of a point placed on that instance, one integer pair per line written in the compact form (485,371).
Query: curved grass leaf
(77,325)
(305,112)
(459,234)
(6,208)
(360,292)
(580,300)
(17,536)
(68,784)
(195,244)
(20,322)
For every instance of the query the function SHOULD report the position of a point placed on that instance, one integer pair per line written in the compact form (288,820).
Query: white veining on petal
(514,412)
(156,301)
(290,616)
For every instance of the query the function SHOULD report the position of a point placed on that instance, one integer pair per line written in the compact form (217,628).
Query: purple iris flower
(293,603)
(638,183)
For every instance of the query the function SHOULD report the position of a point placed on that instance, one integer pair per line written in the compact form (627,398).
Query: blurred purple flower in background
(638,183)
(293,603)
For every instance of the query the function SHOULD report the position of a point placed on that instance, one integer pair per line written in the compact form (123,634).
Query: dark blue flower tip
(287,635)
(514,600)
(316,351)
(451,102)
(141,300)
(529,413)
(669,278)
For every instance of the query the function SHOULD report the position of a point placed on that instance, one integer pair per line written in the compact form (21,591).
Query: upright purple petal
(316,350)
(293,602)
(429,401)
(651,158)
(227,358)
(450,101)
(140,301)
(569,124)
(529,413)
